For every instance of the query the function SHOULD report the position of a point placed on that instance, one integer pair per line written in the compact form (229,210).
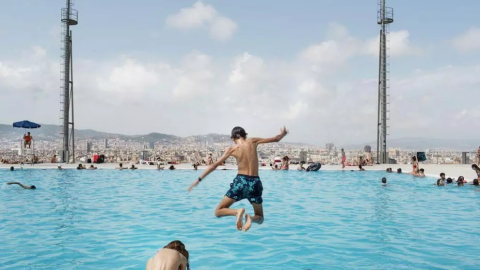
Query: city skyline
(199,67)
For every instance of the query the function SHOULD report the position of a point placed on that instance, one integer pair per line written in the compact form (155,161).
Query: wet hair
(11,168)
(442,174)
(475,182)
(414,158)
(238,132)
(120,164)
(180,247)
(449,180)
(399,170)
(440,182)
(384,180)
(33,187)
(422,170)
(475,167)
(360,166)
(460,179)
(388,169)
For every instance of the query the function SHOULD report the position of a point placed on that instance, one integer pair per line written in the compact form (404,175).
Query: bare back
(247,157)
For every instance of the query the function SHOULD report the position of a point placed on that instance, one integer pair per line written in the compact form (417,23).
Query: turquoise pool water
(108,219)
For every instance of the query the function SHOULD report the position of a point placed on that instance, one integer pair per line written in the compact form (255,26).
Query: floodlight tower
(384,19)
(69,17)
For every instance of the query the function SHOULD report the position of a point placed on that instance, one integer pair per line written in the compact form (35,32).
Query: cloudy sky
(194,67)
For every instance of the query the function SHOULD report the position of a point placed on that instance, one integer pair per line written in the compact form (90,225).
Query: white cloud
(201,15)
(468,41)
(193,17)
(398,44)
(201,93)
(222,28)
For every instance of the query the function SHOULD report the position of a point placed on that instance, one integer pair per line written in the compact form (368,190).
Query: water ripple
(325,220)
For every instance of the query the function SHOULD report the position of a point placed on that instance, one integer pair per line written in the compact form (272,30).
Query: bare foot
(248,222)
(240,213)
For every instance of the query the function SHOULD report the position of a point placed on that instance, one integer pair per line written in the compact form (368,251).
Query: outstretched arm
(212,167)
(17,183)
(279,137)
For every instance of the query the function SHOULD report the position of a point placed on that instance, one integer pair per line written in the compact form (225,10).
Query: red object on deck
(95,158)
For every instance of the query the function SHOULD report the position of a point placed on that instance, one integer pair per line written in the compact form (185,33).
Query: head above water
(180,247)
(399,170)
(475,182)
(449,180)
(442,175)
(422,170)
(440,182)
(33,187)
(11,168)
(237,133)
(384,180)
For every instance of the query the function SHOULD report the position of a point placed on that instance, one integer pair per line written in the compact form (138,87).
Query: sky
(196,67)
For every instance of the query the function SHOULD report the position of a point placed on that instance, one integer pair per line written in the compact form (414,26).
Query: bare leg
(257,218)
(223,209)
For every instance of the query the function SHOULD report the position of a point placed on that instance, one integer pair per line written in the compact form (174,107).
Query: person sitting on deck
(27,140)
(477,170)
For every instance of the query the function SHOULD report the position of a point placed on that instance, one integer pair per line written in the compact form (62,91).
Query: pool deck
(433,170)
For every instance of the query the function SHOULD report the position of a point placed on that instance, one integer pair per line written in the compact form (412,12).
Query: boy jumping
(247,184)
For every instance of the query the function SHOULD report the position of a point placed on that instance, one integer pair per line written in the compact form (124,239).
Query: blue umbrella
(26,124)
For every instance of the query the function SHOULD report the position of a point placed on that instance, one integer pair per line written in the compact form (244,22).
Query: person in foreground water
(173,256)
(247,184)
(23,186)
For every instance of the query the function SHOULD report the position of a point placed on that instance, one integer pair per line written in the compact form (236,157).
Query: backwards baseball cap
(238,132)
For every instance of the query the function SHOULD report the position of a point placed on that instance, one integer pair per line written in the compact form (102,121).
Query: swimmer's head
(399,170)
(460,184)
(237,133)
(422,170)
(33,187)
(442,175)
(384,180)
(440,182)
(11,168)
(180,247)
(475,182)
(449,180)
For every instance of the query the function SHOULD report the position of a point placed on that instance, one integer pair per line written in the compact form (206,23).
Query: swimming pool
(107,219)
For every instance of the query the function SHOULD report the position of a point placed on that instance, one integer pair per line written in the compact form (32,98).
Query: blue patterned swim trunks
(246,187)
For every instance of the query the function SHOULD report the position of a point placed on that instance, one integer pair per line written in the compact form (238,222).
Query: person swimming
(23,186)
(173,256)
(421,173)
(399,170)
(440,182)
(247,183)
(384,181)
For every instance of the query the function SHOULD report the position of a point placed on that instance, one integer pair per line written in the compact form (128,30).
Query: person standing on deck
(343,159)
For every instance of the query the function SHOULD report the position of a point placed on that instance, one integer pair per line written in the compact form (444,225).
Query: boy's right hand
(283,131)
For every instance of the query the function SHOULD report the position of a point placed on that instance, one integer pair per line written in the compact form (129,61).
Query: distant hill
(425,143)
